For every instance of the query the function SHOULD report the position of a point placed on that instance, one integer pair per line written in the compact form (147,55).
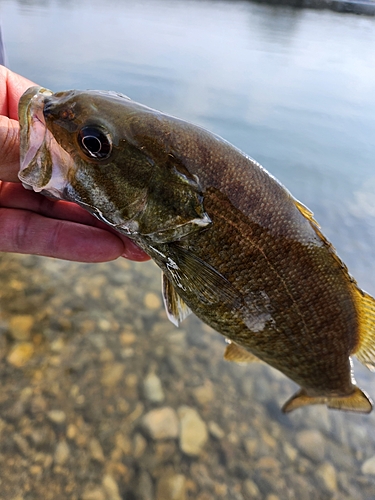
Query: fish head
(108,154)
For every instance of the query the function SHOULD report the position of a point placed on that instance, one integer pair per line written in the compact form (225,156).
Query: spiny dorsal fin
(365,350)
(357,401)
(234,352)
(306,212)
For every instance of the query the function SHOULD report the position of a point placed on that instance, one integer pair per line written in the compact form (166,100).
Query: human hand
(33,224)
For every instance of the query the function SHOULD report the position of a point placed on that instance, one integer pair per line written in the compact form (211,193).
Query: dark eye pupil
(94,142)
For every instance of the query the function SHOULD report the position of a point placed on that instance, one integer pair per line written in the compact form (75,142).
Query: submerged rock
(368,467)
(171,487)
(20,326)
(161,423)
(62,453)
(311,443)
(20,354)
(153,389)
(193,431)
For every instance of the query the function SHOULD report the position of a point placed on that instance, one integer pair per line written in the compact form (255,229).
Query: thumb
(9,147)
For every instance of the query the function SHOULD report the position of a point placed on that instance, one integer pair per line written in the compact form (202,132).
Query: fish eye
(94,142)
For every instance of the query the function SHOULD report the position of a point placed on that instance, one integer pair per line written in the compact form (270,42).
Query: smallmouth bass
(233,245)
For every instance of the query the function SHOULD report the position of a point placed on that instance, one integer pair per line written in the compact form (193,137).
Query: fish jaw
(44,163)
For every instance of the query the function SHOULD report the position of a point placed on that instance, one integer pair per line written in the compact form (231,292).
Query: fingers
(32,223)
(12,86)
(10,149)
(27,232)
(16,196)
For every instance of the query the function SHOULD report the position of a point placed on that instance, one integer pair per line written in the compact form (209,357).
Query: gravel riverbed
(102,398)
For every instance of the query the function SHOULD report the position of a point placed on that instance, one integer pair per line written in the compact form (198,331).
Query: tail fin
(357,401)
(365,350)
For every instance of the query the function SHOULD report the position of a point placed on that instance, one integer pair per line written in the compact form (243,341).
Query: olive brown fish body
(233,244)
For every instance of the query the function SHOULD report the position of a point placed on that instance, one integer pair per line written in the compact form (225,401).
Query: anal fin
(365,350)
(234,352)
(357,401)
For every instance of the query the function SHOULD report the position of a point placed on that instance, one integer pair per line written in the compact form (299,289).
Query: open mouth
(32,131)
(44,163)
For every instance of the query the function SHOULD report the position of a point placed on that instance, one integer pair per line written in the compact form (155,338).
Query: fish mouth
(43,162)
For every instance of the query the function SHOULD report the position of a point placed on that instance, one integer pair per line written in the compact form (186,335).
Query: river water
(293,88)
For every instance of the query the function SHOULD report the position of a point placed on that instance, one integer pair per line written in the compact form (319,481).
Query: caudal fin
(365,350)
(357,401)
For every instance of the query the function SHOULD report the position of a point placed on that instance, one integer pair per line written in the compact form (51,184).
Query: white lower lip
(37,132)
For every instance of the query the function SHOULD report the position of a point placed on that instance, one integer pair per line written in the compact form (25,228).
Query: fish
(234,246)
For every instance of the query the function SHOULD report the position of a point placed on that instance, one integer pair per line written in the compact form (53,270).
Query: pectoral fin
(195,277)
(175,307)
(234,352)
(357,401)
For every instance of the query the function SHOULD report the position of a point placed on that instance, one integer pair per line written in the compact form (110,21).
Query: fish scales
(310,305)
(234,246)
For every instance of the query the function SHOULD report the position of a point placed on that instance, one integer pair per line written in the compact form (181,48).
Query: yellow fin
(357,401)
(234,352)
(365,350)
(306,212)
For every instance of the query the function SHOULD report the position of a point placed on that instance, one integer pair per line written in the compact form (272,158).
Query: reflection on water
(86,351)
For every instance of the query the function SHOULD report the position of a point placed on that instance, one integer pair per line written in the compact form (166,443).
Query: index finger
(12,86)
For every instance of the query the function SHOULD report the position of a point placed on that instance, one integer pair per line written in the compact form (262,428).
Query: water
(293,88)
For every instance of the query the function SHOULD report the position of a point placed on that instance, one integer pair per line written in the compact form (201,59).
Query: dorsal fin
(365,350)
(234,352)
(306,212)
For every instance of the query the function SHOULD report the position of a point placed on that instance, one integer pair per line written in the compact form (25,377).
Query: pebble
(215,430)
(62,453)
(20,354)
(368,467)
(312,444)
(327,474)
(128,338)
(111,488)
(139,444)
(204,394)
(56,416)
(112,374)
(145,488)
(22,444)
(250,489)
(161,423)
(94,494)
(193,431)
(152,301)
(153,389)
(171,487)
(96,450)
(20,326)
(290,451)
